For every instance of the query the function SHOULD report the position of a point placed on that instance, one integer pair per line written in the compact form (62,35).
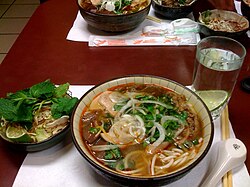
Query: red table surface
(42,52)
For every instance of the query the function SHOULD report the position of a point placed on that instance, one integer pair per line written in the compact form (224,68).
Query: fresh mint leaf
(22,95)
(61,90)
(24,114)
(63,106)
(43,90)
(7,109)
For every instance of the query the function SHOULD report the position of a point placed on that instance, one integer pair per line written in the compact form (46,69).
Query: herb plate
(36,118)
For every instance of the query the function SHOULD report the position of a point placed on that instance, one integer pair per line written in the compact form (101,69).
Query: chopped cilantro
(94,130)
(113,154)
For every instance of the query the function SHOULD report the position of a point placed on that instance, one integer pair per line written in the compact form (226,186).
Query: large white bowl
(192,98)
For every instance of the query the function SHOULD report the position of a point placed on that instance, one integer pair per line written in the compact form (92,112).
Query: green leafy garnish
(43,90)
(195,142)
(20,106)
(206,16)
(94,130)
(113,154)
(63,106)
(8,110)
(61,90)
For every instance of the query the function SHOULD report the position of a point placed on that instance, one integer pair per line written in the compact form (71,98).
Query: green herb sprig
(19,106)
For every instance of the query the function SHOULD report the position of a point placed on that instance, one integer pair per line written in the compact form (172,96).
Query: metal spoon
(232,153)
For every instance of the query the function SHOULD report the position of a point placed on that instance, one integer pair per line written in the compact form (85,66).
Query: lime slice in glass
(18,134)
(213,98)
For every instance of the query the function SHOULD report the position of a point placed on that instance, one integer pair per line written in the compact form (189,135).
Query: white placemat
(82,32)
(62,165)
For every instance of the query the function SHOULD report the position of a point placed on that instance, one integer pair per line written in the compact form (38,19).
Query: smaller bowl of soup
(173,9)
(223,23)
(115,15)
(142,130)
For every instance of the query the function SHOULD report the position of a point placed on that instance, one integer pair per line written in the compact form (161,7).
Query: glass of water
(216,68)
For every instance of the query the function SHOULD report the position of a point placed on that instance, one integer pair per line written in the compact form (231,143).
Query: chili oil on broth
(115,7)
(157,134)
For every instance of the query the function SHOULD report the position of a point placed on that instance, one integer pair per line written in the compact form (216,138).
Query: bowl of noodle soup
(223,23)
(173,9)
(114,15)
(142,130)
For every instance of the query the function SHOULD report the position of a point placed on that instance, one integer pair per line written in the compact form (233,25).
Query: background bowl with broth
(223,23)
(113,22)
(173,9)
(126,178)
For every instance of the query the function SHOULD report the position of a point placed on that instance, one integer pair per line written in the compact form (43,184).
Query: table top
(42,52)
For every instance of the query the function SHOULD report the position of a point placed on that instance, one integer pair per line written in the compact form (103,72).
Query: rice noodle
(153,165)
(177,150)
(171,158)
(167,158)
(132,171)
(180,161)
(169,164)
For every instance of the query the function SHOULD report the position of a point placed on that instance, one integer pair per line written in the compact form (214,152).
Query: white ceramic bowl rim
(148,79)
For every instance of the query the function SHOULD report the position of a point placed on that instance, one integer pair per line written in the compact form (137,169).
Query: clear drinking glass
(216,68)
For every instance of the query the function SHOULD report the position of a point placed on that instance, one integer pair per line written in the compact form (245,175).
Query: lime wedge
(213,98)
(41,134)
(18,134)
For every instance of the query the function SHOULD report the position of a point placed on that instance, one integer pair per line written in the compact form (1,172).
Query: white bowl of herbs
(36,118)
